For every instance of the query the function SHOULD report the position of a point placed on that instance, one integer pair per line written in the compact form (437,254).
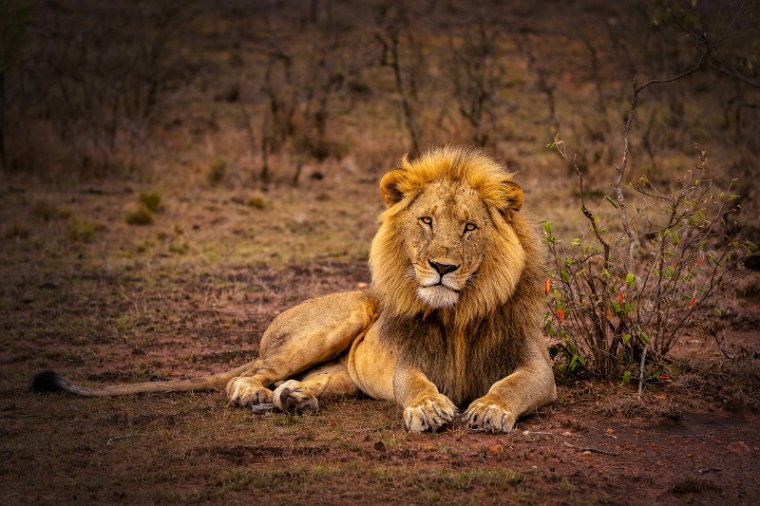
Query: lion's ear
(513,196)
(389,187)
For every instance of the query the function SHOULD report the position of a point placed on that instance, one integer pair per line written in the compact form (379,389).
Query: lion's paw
(431,412)
(293,397)
(484,414)
(243,391)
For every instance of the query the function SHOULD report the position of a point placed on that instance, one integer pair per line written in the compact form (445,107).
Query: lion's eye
(427,220)
(470,227)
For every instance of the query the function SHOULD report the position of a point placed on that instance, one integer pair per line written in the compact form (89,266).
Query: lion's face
(445,232)
(447,241)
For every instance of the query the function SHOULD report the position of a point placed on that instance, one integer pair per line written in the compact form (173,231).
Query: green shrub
(615,296)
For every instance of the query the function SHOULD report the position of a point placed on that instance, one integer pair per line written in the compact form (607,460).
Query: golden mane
(511,247)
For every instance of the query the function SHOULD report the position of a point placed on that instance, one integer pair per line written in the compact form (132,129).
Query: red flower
(547,286)
(692,302)
(560,316)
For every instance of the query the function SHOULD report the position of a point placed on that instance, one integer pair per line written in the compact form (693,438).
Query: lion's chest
(462,363)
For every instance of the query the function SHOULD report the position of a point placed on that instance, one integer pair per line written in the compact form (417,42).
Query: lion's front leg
(376,369)
(425,408)
(302,338)
(245,390)
(329,381)
(525,390)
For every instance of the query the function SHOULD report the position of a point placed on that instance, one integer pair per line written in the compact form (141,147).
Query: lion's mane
(466,348)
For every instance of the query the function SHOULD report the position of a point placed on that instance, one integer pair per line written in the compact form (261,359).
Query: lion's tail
(51,381)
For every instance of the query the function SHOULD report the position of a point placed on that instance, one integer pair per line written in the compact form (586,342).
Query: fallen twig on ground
(589,449)
(112,440)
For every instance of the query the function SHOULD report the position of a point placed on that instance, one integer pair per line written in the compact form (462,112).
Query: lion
(448,328)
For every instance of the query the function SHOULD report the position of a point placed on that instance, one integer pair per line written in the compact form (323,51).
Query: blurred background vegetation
(256,93)
(148,134)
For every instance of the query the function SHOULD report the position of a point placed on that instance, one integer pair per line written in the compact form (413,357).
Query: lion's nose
(443,269)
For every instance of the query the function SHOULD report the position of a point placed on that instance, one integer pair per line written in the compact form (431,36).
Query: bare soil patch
(694,438)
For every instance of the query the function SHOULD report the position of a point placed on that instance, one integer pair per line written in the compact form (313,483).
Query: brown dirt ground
(101,301)
(693,440)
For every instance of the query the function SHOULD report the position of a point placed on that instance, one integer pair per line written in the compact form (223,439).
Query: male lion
(451,320)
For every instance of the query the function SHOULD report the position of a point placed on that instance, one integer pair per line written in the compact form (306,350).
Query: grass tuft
(693,485)
(140,215)
(16,230)
(151,200)
(216,172)
(44,210)
(258,201)
(83,230)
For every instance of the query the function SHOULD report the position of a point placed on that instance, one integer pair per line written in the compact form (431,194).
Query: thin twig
(112,440)
(722,348)
(589,449)
(697,66)
(641,371)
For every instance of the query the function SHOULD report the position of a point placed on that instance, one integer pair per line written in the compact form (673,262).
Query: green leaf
(627,308)
(718,312)
(630,279)
(564,275)
(548,227)
(626,377)
(645,339)
(608,199)
(626,338)
(576,363)
(576,242)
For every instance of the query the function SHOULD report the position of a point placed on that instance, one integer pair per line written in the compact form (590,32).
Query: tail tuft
(48,381)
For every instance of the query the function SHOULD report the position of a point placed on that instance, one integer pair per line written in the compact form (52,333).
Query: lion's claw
(243,391)
(488,416)
(293,397)
(430,413)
